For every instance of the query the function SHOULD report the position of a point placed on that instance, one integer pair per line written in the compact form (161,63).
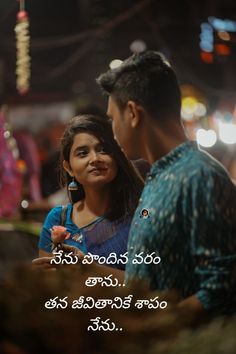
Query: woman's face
(89,163)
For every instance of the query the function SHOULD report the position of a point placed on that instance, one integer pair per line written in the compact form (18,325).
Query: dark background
(72,41)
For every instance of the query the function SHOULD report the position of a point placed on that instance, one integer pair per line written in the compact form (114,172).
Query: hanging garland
(22,50)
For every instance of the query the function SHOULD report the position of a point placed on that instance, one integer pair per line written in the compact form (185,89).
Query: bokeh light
(227,132)
(223,35)
(24,204)
(138,46)
(115,63)
(192,108)
(206,138)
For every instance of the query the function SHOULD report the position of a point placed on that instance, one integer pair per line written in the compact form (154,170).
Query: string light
(22,50)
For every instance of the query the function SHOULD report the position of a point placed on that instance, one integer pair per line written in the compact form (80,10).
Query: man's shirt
(191,226)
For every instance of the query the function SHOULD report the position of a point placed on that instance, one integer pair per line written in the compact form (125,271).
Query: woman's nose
(95,157)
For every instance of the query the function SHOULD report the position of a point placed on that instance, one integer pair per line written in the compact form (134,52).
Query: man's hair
(148,79)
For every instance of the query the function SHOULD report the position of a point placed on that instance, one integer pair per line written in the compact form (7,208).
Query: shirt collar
(171,157)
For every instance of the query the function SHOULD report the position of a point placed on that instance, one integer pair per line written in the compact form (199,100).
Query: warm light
(189,104)
(191,107)
(227,132)
(115,63)
(206,138)
(222,49)
(207,57)
(225,36)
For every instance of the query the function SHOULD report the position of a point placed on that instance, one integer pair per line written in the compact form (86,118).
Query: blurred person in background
(10,175)
(29,154)
(189,196)
(48,142)
(104,190)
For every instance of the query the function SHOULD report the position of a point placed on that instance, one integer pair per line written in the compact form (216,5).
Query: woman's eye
(82,153)
(102,150)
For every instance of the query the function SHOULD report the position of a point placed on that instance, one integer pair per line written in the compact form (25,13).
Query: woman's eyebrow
(86,147)
(82,147)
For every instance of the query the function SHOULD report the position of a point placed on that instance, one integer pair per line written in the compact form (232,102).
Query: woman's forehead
(85,138)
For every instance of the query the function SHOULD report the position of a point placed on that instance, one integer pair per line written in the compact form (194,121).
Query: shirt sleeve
(53,218)
(212,216)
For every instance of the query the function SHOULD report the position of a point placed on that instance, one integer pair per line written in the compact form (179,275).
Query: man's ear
(135,112)
(67,167)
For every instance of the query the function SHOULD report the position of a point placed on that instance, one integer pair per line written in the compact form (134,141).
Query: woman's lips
(98,170)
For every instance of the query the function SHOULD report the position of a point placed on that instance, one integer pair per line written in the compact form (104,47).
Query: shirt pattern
(191,226)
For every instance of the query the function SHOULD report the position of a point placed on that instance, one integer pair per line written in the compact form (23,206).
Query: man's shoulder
(199,164)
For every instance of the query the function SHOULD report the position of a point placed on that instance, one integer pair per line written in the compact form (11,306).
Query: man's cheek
(115,132)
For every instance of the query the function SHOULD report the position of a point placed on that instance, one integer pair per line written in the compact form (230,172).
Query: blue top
(191,225)
(100,237)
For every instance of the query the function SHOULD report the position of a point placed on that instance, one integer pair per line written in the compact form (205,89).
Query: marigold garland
(22,51)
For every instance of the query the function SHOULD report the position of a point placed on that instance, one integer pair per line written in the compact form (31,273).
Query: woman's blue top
(100,237)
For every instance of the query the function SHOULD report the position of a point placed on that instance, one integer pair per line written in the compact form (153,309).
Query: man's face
(124,133)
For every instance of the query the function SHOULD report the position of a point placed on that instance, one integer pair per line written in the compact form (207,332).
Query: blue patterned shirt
(191,226)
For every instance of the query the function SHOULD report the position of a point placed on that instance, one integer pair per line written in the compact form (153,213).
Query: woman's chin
(99,180)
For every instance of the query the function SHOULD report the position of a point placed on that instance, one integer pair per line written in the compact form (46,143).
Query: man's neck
(159,141)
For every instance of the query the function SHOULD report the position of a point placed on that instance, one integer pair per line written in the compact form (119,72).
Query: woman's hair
(127,185)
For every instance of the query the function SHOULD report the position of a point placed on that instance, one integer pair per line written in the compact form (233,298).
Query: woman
(104,190)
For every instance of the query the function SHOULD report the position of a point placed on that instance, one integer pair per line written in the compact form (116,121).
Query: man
(189,196)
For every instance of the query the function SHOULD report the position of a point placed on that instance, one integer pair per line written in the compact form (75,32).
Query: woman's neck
(97,201)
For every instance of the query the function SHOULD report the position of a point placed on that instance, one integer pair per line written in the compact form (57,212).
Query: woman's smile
(98,170)
(90,163)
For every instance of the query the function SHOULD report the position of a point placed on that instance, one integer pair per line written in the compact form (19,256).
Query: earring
(73,185)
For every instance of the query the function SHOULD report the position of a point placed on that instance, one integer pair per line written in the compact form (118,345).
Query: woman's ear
(67,167)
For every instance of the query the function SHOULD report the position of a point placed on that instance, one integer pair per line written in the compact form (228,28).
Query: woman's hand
(76,251)
(43,263)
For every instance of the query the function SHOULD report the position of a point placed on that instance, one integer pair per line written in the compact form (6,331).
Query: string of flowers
(22,50)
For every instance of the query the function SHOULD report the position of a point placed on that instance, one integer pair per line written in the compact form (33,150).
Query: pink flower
(59,234)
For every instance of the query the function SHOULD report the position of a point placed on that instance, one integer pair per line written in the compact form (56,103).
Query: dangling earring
(73,185)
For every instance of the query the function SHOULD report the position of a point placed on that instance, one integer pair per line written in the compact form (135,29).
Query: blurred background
(67,45)
(71,43)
